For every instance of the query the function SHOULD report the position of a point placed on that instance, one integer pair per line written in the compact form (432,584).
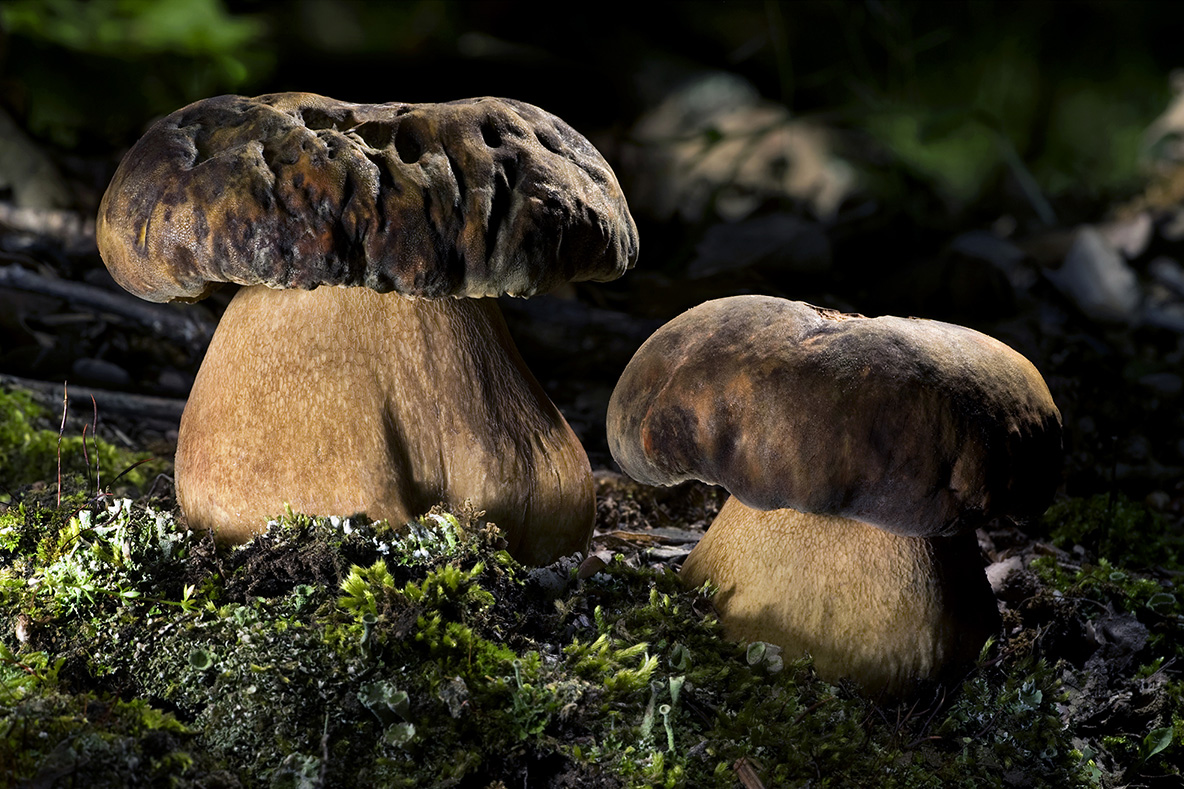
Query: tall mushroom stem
(867,604)
(343,400)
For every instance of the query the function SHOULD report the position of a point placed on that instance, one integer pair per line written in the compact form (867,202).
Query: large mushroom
(861,453)
(401,387)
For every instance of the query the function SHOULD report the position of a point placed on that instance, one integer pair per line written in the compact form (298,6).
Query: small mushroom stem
(343,401)
(879,608)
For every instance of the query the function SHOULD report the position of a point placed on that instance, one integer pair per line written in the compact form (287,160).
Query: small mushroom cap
(478,197)
(919,427)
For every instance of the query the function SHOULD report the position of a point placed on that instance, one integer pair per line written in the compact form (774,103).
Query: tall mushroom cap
(477,197)
(339,400)
(919,427)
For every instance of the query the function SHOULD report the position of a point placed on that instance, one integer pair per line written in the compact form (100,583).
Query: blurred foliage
(133,28)
(991,107)
(79,68)
(1006,106)
(997,127)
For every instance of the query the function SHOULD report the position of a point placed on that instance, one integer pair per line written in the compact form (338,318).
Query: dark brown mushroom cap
(293,190)
(920,427)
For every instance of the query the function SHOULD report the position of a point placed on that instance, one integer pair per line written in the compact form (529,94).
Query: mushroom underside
(338,401)
(881,609)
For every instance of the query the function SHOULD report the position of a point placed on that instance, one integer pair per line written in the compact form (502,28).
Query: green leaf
(1156,741)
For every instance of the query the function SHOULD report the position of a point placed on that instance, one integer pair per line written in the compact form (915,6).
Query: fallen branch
(174,322)
(166,409)
(70,229)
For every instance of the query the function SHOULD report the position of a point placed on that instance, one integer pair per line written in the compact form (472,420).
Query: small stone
(592,565)
(999,572)
(1158,500)
(455,694)
(1130,236)
(999,252)
(1136,448)
(1096,278)
(1172,229)
(27,170)
(551,582)
(1170,317)
(23,628)
(1118,636)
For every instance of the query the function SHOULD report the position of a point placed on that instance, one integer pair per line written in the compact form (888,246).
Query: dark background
(976,140)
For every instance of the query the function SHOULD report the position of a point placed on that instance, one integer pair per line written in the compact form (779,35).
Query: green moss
(1147,604)
(1131,539)
(1126,533)
(30,451)
(362,654)
(91,563)
(1154,603)
(52,737)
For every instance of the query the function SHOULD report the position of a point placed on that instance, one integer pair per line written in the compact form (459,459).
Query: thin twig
(73,231)
(94,429)
(62,429)
(85,454)
(746,774)
(325,751)
(119,476)
(938,702)
(801,715)
(155,481)
(937,706)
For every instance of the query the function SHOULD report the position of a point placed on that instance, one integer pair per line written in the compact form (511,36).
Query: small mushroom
(401,387)
(861,453)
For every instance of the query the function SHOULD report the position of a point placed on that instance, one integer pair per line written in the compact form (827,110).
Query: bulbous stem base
(879,608)
(338,401)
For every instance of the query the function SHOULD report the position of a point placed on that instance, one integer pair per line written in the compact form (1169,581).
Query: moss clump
(88,565)
(353,653)
(1124,532)
(29,452)
(49,737)
(1153,603)
(1136,620)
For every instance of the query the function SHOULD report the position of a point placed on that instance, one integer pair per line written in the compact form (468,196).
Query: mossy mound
(336,652)
(340,652)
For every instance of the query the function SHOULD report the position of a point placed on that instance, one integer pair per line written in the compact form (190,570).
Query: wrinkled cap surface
(478,197)
(919,427)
